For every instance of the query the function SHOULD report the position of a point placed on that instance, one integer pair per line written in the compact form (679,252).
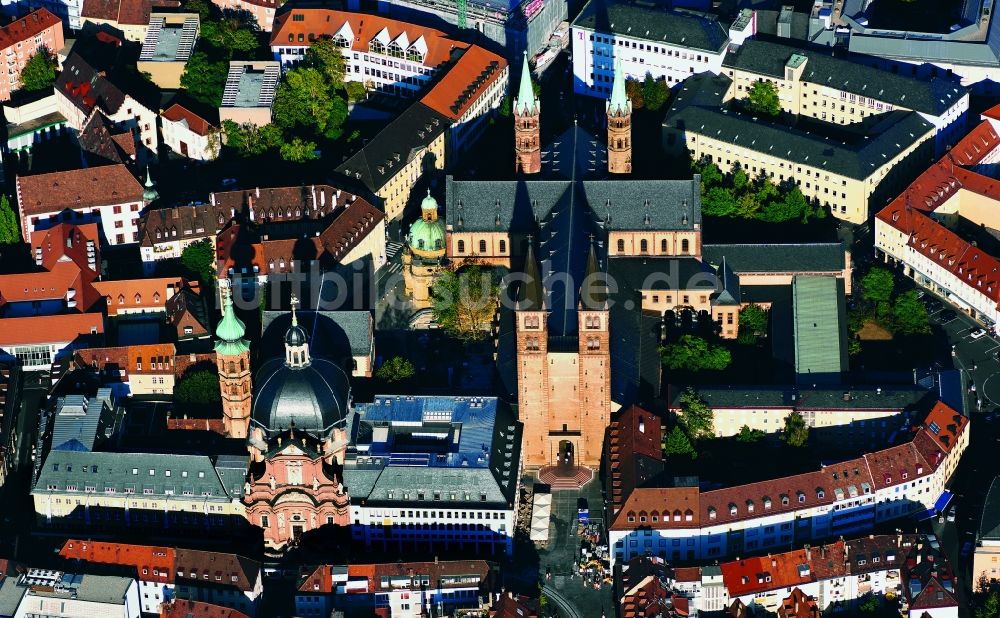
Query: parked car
(933,542)
(951,514)
(977,334)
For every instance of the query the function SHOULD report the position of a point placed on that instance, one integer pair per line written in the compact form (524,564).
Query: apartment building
(169,42)
(130,17)
(986,560)
(920,228)
(22,39)
(814,84)
(468,95)
(145,369)
(460,493)
(173,573)
(81,88)
(44,592)
(390,163)
(249,92)
(36,341)
(401,589)
(387,55)
(849,497)
(144,491)
(850,175)
(866,415)
(642,39)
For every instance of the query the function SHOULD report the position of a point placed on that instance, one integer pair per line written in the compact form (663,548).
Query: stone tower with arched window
(423,253)
(232,354)
(527,134)
(563,391)
(619,127)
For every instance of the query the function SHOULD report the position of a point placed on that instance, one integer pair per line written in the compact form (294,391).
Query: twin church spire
(527,113)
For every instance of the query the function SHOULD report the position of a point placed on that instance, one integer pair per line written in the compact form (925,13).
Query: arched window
(138,298)
(482,246)
(503,246)
(437,243)
(461,246)
(121,299)
(243,365)
(245,388)
(685,246)
(644,245)
(621,245)
(156,297)
(232,367)
(420,243)
(233,391)
(663,246)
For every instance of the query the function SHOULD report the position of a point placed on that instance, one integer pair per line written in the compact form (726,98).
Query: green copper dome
(427,236)
(429,203)
(230,331)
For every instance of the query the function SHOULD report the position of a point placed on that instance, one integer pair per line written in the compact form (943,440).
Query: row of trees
(737,195)
(694,353)
(10,225)
(898,312)
(650,94)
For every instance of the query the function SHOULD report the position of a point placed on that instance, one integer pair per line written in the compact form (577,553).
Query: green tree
(719,202)
(753,324)
(198,388)
(695,415)
(870,604)
(396,369)
(762,98)
(202,7)
(877,285)
(204,80)
(198,259)
(990,606)
(356,92)
(305,99)
(235,32)
(465,301)
(692,353)
(740,179)
(909,316)
(677,443)
(39,71)
(298,150)
(711,175)
(10,228)
(326,58)
(633,89)
(749,436)
(796,432)
(654,93)
(250,140)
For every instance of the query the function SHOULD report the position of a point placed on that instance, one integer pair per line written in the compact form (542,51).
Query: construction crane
(461,6)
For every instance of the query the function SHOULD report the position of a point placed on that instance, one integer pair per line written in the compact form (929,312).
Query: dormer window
(711,513)
(732,510)
(802,497)
(767,503)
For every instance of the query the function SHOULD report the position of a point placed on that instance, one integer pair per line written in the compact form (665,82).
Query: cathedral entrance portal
(566,456)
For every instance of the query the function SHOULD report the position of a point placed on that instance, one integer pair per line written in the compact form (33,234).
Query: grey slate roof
(103,471)
(79,421)
(10,595)
(682,28)
(989,524)
(313,398)
(662,273)
(394,146)
(906,397)
(519,205)
(777,258)
(931,96)
(859,160)
(961,52)
(332,334)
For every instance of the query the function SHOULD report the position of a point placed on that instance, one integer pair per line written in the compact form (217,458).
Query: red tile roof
(798,605)
(66,240)
(150,359)
(319,581)
(944,426)
(784,570)
(645,599)
(124,12)
(993,112)
(28,27)
(909,212)
(144,294)
(179,113)
(326,22)
(509,606)
(74,189)
(477,69)
(50,328)
(183,608)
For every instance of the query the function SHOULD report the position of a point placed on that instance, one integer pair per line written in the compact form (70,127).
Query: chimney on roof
(822,551)
(808,552)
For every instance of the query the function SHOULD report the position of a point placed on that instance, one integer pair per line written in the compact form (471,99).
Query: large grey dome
(295,336)
(314,398)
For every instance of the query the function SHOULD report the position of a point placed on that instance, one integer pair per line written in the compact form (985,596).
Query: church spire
(531,295)
(619,104)
(525,104)
(594,290)
(231,329)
